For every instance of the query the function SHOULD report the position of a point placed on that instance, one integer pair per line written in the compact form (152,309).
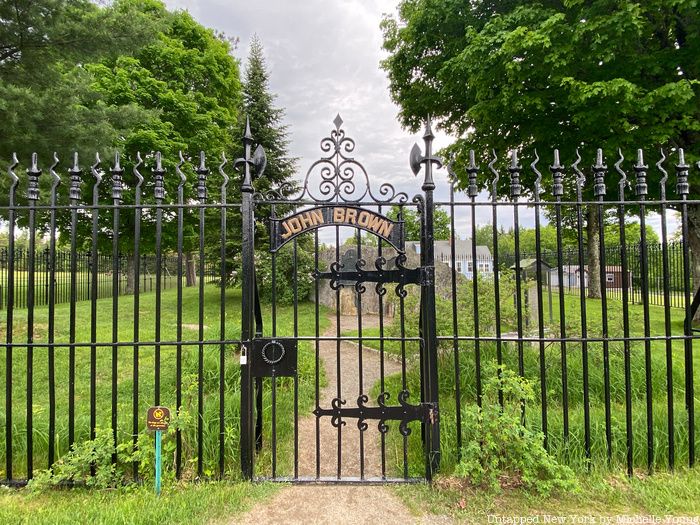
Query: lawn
(185,503)
(572,449)
(147,316)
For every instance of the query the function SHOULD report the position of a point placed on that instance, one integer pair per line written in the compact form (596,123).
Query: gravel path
(340,504)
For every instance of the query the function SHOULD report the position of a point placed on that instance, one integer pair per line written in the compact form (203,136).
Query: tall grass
(168,322)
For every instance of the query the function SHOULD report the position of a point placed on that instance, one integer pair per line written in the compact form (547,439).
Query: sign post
(158,419)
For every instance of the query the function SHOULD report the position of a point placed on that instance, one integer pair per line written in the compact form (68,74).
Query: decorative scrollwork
(404,412)
(338,177)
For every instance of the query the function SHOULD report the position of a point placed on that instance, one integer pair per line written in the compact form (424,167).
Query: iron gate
(342,437)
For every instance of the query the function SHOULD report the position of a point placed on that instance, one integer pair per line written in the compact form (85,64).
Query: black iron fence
(659,257)
(615,379)
(61,274)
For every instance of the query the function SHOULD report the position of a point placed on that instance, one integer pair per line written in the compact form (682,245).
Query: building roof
(463,250)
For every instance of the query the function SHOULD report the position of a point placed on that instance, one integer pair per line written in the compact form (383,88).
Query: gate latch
(274,356)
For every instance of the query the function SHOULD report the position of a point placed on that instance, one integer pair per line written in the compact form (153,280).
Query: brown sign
(284,230)
(158,418)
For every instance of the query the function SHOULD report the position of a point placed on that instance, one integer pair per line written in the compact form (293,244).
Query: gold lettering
(386,228)
(375,223)
(306,220)
(350,215)
(287,231)
(317,216)
(338,214)
(295,225)
(363,219)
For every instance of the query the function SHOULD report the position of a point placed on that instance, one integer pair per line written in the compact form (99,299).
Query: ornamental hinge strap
(404,413)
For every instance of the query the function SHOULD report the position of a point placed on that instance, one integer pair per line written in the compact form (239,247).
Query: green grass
(599,495)
(571,451)
(125,366)
(189,503)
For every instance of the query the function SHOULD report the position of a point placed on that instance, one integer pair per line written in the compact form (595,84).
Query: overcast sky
(323,58)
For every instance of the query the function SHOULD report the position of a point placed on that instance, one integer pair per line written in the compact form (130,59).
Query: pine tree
(266,121)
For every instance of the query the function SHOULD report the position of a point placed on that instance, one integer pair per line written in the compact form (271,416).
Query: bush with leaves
(285,278)
(498,446)
(76,466)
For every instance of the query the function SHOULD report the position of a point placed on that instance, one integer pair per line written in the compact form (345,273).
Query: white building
(462,256)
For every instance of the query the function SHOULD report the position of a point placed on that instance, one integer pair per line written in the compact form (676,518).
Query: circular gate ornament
(273,352)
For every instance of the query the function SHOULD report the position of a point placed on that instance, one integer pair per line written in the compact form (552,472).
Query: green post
(158,462)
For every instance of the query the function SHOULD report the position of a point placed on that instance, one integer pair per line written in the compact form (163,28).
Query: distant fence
(105,283)
(654,278)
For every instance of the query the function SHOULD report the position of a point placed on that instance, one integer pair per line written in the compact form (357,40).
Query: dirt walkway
(341,504)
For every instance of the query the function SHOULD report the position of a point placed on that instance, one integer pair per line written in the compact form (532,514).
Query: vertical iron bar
(599,171)
(473,191)
(558,190)
(202,172)
(74,173)
(455,323)
(51,299)
(683,189)
(381,291)
(296,379)
(222,317)
(137,291)
(247,438)
(625,317)
(641,192)
(337,352)
(32,196)
(159,191)
(540,308)
(10,316)
(496,270)
(430,346)
(94,263)
(667,312)
(515,190)
(359,290)
(580,179)
(117,172)
(317,362)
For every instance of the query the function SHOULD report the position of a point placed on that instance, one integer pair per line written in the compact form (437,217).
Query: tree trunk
(593,253)
(130,275)
(190,270)
(694,245)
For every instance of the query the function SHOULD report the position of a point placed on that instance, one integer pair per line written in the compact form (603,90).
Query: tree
(46,100)
(412,223)
(176,90)
(266,123)
(517,74)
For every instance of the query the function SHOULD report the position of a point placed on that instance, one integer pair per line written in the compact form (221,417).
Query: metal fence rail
(62,276)
(615,378)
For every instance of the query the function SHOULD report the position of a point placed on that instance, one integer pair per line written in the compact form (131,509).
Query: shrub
(498,448)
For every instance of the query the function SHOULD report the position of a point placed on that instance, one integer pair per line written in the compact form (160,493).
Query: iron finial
(514,169)
(159,175)
(416,158)
(95,168)
(472,170)
(682,185)
(247,135)
(202,171)
(52,171)
(117,171)
(337,122)
(538,180)
(224,161)
(496,176)
(641,170)
(557,175)
(74,173)
(623,176)
(33,172)
(599,169)
(137,173)
(664,179)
